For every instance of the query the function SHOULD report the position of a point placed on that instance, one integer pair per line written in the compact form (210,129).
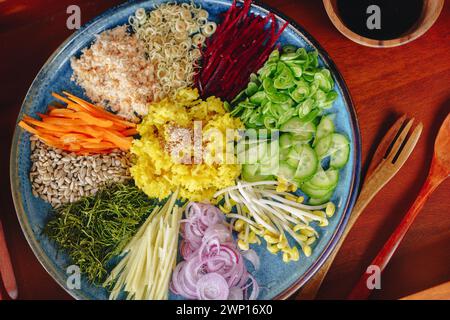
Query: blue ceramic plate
(277,279)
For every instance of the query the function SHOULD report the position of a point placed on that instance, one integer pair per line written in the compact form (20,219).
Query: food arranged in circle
(195,142)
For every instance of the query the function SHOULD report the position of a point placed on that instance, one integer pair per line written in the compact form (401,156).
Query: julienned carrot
(117,124)
(60,112)
(78,138)
(79,104)
(63,122)
(98,110)
(45,125)
(49,140)
(84,116)
(59,97)
(79,120)
(129,132)
(80,127)
(122,142)
(98,146)
(27,127)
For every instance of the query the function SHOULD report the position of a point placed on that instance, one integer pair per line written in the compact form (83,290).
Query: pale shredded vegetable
(171,35)
(149,258)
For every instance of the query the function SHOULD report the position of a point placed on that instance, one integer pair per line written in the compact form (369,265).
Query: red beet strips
(240,46)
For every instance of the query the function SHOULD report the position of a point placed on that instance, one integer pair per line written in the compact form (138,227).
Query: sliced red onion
(212,286)
(251,256)
(214,267)
(255,289)
(236,293)
(219,231)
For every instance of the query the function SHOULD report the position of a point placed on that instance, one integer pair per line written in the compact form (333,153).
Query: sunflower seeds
(59,177)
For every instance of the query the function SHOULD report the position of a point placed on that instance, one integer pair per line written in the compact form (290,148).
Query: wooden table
(384,83)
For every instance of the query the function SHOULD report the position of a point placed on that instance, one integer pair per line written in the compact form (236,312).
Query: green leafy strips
(290,84)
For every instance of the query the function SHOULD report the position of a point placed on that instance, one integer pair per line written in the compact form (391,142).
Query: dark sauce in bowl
(397,17)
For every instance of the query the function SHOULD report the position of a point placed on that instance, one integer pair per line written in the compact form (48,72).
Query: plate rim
(43,258)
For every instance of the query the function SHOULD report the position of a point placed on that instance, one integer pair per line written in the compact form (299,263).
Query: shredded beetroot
(240,46)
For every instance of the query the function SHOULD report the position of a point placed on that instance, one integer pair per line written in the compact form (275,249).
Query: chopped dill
(96,228)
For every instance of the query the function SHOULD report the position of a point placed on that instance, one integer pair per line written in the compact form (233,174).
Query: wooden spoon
(439,171)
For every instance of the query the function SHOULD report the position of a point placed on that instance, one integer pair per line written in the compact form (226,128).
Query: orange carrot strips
(45,125)
(59,97)
(80,127)
(122,142)
(99,146)
(27,127)
(98,110)
(129,132)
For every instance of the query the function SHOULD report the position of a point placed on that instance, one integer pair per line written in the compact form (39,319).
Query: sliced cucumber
(285,171)
(269,163)
(253,152)
(318,201)
(307,162)
(292,158)
(336,146)
(285,140)
(325,127)
(313,192)
(284,152)
(256,177)
(340,150)
(322,146)
(325,180)
(250,169)
(249,174)
(300,130)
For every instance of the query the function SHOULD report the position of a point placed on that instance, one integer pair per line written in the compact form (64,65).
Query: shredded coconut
(115,73)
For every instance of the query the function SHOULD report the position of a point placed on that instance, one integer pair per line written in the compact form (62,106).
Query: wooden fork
(439,171)
(391,154)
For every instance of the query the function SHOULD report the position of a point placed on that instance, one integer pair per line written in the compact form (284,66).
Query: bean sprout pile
(172,36)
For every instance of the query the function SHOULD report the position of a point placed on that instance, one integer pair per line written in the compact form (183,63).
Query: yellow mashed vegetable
(156,171)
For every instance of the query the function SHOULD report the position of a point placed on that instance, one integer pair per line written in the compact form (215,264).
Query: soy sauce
(397,17)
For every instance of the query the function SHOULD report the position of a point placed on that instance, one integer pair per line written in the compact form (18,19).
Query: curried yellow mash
(158,173)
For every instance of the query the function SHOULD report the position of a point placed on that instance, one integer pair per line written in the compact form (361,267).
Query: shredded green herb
(96,228)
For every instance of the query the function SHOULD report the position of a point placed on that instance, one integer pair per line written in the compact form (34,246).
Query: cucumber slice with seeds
(304,159)
(285,171)
(325,180)
(285,140)
(313,192)
(322,146)
(250,169)
(324,199)
(339,150)
(284,152)
(325,127)
(299,129)
(249,174)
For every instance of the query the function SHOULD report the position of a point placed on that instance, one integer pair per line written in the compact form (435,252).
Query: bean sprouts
(263,210)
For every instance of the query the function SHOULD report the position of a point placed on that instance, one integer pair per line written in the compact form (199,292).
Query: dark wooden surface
(384,83)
